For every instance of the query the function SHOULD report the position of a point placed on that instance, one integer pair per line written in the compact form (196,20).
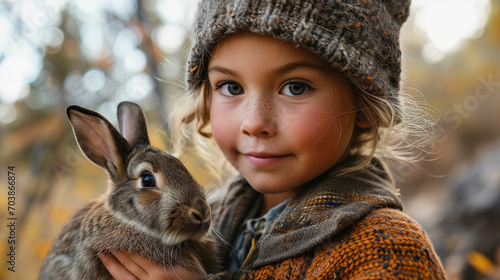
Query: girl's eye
(148,181)
(230,89)
(295,89)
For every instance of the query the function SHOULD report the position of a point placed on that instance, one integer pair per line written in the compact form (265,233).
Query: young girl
(302,99)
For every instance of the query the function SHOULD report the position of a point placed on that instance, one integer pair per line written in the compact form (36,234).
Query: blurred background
(97,53)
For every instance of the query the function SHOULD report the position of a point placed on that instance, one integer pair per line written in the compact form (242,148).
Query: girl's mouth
(263,159)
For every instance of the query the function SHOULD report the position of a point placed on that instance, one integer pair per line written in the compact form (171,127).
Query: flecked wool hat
(358,37)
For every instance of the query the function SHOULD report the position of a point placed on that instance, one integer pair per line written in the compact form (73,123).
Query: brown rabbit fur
(153,207)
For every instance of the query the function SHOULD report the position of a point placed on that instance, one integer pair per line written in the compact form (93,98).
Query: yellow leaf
(480,262)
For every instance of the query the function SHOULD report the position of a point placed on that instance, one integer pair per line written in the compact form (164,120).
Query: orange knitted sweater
(386,244)
(348,227)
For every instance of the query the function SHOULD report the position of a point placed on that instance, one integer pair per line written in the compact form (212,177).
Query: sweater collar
(327,205)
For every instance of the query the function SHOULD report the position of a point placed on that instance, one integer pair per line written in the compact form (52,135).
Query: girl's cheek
(221,121)
(322,129)
(307,126)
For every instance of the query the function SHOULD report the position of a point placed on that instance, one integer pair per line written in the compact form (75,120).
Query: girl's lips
(263,159)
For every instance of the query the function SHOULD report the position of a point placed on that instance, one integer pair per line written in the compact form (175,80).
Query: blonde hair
(397,134)
(189,125)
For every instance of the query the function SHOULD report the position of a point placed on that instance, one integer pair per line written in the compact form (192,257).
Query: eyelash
(218,85)
(309,87)
(297,81)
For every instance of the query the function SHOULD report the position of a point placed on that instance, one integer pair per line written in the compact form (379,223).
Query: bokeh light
(448,23)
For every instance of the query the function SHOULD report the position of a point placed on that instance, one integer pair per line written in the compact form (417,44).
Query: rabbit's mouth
(198,230)
(188,223)
(194,225)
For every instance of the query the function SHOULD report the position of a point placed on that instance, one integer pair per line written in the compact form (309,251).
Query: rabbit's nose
(195,216)
(200,212)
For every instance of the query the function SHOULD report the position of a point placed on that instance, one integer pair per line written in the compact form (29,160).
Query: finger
(176,273)
(155,271)
(133,263)
(142,262)
(115,268)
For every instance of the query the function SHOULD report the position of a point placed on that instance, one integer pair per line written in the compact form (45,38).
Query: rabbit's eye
(148,181)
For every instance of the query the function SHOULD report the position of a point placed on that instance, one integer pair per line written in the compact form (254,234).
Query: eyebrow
(222,70)
(279,70)
(298,65)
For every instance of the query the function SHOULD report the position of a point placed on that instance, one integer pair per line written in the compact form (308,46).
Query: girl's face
(279,114)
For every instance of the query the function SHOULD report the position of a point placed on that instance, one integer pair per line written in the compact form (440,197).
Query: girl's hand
(127,266)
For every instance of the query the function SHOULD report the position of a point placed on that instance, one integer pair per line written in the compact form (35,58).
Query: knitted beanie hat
(358,37)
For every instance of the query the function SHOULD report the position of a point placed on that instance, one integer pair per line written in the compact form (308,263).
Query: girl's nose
(259,118)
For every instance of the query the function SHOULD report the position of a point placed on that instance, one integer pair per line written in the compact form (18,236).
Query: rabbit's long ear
(132,123)
(99,140)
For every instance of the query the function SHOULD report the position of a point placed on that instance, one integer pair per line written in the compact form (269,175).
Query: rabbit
(153,207)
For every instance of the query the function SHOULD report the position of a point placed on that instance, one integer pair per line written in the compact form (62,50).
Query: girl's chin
(279,189)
